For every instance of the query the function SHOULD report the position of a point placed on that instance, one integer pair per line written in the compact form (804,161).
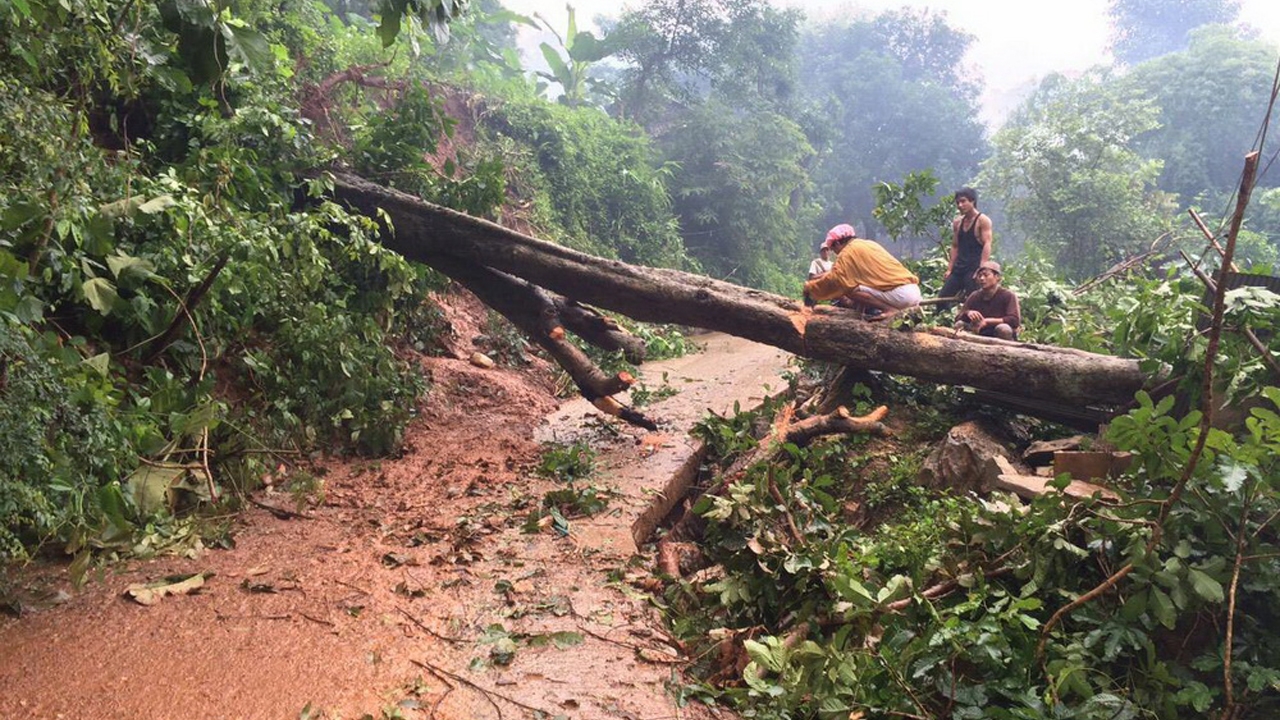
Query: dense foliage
(853,592)
(180,306)
(1209,97)
(888,97)
(1066,173)
(1146,29)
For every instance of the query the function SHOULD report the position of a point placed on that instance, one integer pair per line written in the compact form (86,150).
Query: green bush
(605,194)
(942,608)
(62,440)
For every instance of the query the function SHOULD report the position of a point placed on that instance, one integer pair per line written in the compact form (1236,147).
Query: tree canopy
(1065,171)
(1146,29)
(890,98)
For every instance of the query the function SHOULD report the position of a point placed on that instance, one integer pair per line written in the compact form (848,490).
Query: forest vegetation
(182,303)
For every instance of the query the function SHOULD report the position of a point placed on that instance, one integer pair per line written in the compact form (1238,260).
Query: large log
(421,231)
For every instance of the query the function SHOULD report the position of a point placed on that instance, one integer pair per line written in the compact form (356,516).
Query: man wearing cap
(865,275)
(820,266)
(990,310)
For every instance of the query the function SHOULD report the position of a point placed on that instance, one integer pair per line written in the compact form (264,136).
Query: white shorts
(901,297)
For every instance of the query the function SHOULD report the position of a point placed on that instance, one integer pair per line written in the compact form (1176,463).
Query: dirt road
(414,589)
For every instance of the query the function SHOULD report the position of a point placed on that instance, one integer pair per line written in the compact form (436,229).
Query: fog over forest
(1015,43)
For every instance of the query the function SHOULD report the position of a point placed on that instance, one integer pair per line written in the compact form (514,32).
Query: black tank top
(970,247)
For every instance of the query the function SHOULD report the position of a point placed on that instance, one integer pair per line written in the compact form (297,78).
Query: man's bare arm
(984,236)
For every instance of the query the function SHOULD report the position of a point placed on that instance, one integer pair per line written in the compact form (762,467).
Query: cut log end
(799,320)
(609,406)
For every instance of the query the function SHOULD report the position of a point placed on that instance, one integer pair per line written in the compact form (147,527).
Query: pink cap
(839,232)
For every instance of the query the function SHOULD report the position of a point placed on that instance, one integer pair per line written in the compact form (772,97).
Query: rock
(1041,452)
(1030,486)
(481,360)
(968,459)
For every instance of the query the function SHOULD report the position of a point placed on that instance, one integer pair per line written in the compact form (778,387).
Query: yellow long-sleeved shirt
(861,262)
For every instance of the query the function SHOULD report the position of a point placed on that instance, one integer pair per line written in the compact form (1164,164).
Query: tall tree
(887,97)
(1212,99)
(732,190)
(709,80)
(677,51)
(1145,29)
(659,42)
(1066,172)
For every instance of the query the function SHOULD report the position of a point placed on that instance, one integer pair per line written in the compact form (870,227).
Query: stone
(968,459)
(481,360)
(1031,486)
(1041,452)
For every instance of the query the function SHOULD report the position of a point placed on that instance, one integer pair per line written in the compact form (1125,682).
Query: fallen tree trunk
(423,231)
(536,314)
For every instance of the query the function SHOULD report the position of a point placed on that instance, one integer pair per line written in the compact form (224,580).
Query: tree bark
(422,231)
(536,314)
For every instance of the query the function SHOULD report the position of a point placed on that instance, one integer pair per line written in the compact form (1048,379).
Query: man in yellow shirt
(865,275)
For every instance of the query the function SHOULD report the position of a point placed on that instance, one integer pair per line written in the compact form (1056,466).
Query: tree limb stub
(803,432)
(423,232)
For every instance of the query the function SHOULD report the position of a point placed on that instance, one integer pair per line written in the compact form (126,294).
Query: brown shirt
(1003,304)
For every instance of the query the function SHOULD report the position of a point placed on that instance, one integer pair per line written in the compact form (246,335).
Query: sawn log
(421,231)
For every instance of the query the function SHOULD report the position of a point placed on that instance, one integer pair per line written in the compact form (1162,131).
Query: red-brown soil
(391,598)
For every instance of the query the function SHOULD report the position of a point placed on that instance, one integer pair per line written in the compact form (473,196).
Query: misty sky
(1017,41)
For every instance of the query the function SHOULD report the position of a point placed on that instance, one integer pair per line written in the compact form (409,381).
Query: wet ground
(415,590)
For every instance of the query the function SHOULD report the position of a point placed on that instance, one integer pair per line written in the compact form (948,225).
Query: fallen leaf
(658,656)
(258,586)
(153,592)
(395,560)
(403,588)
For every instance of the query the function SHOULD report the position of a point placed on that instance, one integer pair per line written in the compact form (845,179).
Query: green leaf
(1205,586)
(565,639)
(1162,607)
(763,654)
(121,207)
(101,294)
(389,23)
(20,213)
(100,362)
(126,264)
(150,485)
(557,65)
(29,309)
(157,204)
(504,16)
(587,48)
(200,417)
(250,45)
